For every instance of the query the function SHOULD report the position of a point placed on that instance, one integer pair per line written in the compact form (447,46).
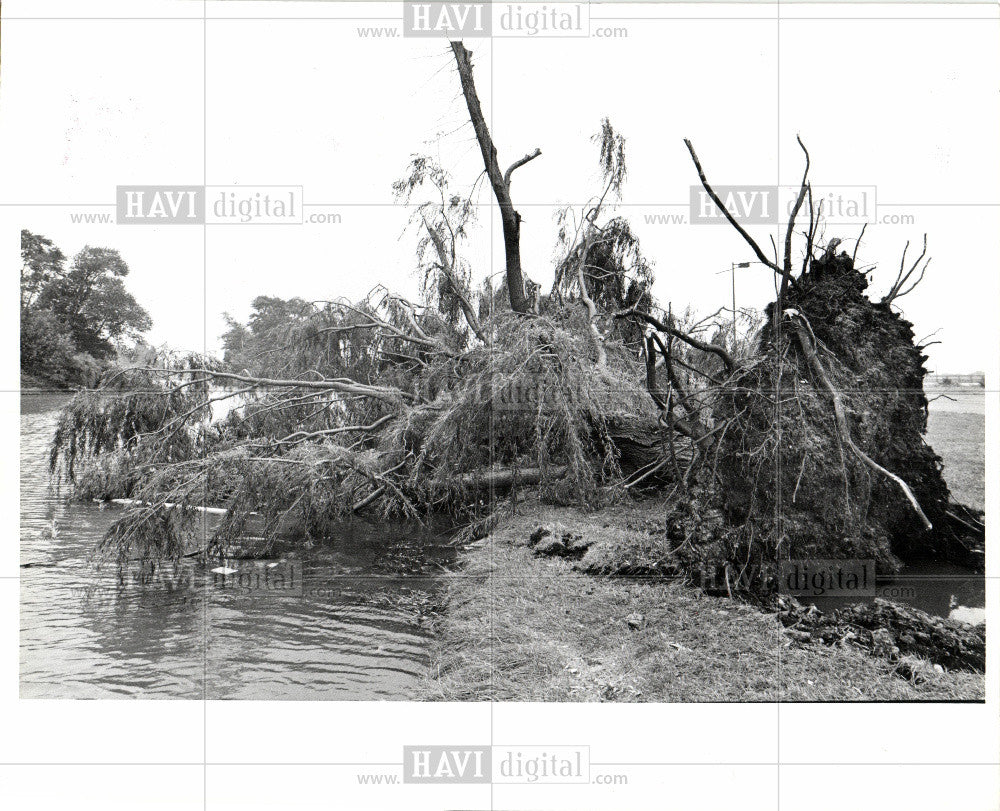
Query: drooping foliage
(104,431)
(442,218)
(776,442)
(292,463)
(617,275)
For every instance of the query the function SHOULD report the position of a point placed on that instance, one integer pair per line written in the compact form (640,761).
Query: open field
(959,438)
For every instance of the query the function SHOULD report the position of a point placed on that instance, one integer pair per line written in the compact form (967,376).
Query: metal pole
(734,306)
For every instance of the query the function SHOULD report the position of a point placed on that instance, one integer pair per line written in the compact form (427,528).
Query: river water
(353,626)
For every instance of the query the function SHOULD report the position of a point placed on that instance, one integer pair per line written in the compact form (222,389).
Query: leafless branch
(786,274)
(690,340)
(519,163)
(725,211)
(857,244)
(898,288)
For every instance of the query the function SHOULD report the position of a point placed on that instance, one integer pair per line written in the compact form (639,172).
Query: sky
(89,105)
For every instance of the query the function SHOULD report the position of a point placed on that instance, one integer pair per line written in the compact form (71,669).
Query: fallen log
(642,444)
(167,505)
(505,478)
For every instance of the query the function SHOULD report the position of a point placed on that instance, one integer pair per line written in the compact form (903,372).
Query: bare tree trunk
(503,478)
(500,182)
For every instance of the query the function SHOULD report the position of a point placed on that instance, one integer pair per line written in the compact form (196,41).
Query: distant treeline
(973,379)
(76,316)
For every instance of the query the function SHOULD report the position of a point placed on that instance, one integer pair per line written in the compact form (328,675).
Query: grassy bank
(959,438)
(33,383)
(516,627)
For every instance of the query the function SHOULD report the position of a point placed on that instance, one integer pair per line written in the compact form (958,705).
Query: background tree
(73,319)
(41,261)
(91,299)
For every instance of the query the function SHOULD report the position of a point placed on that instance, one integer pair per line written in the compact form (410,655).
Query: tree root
(804,333)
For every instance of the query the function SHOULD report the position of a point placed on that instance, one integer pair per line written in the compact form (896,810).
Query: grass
(959,438)
(34,383)
(517,627)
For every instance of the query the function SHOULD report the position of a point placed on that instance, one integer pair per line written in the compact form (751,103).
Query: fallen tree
(812,444)
(802,438)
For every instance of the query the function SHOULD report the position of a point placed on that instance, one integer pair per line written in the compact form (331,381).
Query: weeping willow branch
(342,385)
(448,269)
(588,302)
(302,436)
(419,337)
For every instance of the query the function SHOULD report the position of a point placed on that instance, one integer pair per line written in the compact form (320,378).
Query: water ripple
(355,632)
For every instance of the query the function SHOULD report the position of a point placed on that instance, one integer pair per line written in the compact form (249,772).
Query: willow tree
(804,439)
(385,406)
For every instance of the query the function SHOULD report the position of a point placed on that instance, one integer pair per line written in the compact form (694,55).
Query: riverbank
(515,626)
(30,384)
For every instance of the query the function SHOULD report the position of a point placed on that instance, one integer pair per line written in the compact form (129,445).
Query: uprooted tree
(803,437)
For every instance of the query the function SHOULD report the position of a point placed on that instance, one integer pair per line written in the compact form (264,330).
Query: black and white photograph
(500,405)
